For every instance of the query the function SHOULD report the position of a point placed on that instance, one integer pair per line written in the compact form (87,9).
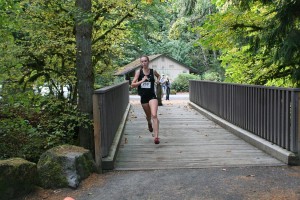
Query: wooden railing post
(159,94)
(97,132)
(298,123)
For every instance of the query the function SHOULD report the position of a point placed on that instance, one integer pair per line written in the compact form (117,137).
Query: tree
(84,68)
(189,15)
(52,34)
(263,35)
(167,27)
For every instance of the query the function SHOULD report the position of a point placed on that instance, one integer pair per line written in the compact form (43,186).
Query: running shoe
(156,140)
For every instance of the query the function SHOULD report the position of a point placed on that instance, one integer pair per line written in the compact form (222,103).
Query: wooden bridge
(188,140)
(192,137)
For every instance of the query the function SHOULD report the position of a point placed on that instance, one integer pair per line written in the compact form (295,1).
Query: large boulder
(17,177)
(65,166)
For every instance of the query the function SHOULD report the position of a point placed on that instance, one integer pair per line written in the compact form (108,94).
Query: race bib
(146,85)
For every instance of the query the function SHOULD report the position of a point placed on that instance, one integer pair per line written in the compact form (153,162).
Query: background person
(168,88)
(163,85)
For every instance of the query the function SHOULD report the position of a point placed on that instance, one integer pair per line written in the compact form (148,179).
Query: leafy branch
(115,25)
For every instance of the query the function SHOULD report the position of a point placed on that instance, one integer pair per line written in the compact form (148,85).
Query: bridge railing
(110,104)
(269,112)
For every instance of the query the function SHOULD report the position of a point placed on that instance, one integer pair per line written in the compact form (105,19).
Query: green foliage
(105,79)
(181,83)
(254,41)
(16,139)
(163,27)
(40,50)
(212,76)
(259,41)
(148,31)
(112,32)
(60,121)
(172,91)
(133,91)
(31,124)
(183,40)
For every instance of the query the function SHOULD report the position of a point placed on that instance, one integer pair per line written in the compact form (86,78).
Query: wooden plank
(188,140)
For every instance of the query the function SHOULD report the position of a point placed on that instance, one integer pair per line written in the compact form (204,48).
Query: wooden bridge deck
(188,140)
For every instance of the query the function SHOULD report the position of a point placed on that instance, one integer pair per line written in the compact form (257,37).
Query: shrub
(172,91)
(181,83)
(212,76)
(27,130)
(133,91)
(17,139)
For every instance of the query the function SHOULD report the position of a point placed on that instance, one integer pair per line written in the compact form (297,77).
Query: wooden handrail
(109,106)
(272,113)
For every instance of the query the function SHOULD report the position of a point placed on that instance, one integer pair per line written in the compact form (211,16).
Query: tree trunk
(84,70)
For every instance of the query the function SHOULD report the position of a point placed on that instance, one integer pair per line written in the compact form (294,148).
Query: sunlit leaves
(147,30)
(177,29)
(249,43)
(188,15)
(223,30)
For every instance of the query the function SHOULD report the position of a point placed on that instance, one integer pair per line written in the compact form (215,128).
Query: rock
(17,177)
(65,166)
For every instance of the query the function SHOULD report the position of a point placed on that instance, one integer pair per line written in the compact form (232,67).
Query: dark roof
(136,64)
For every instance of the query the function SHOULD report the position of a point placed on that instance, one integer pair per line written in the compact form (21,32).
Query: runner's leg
(147,111)
(153,104)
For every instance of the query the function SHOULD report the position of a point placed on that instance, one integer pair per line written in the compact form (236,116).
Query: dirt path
(265,183)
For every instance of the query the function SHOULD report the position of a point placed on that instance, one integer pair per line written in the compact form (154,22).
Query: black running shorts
(147,98)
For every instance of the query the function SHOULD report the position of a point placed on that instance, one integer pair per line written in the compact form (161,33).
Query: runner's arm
(135,83)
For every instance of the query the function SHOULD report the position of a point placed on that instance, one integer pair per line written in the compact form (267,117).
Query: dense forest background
(54,53)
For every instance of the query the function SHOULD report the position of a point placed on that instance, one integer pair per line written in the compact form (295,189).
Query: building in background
(163,64)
